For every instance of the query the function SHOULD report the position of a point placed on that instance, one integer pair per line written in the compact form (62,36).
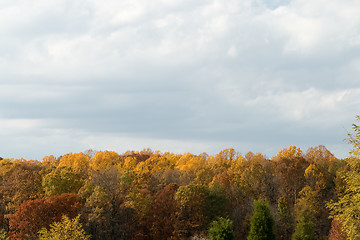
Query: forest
(148,194)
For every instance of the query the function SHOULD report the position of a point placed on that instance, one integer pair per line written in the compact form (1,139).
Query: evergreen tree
(305,227)
(221,229)
(261,222)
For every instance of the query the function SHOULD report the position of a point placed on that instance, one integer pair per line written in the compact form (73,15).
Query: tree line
(153,195)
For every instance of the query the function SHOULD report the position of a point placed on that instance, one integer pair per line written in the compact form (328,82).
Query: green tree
(285,222)
(305,227)
(67,229)
(61,180)
(262,223)
(221,229)
(347,208)
(191,207)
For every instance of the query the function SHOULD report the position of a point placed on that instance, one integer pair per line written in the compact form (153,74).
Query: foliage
(61,180)
(164,212)
(50,161)
(261,222)
(347,208)
(104,160)
(336,232)
(221,229)
(3,234)
(22,183)
(67,229)
(290,152)
(290,176)
(144,195)
(32,215)
(79,162)
(305,228)
(284,226)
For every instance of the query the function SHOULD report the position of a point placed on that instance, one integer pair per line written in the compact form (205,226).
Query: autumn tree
(66,229)
(105,213)
(285,219)
(195,169)
(289,174)
(191,218)
(22,182)
(257,177)
(290,152)
(104,160)
(140,201)
(346,209)
(96,211)
(198,205)
(79,162)
(336,232)
(61,180)
(163,212)
(313,196)
(50,161)
(33,215)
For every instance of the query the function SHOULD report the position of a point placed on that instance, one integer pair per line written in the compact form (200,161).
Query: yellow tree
(290,152)
(347,208)
(79,162)
(104,160)
(66,229)
(289,169)
(50,161)
(61,180)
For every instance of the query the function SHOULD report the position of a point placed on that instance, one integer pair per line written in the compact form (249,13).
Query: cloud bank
(180,76)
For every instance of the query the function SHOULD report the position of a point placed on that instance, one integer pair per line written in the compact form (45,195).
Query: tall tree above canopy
(290,152)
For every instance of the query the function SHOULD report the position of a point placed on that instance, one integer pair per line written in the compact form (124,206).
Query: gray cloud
(177,76)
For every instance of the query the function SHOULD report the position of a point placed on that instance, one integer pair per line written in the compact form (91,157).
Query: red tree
(32,215)
(164,212)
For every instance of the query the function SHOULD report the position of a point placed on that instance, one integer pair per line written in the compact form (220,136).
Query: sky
(177,75)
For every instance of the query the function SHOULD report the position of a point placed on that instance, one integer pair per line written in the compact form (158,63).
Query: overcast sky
(177,75)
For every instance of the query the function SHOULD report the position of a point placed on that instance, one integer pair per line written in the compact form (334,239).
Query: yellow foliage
(319,154)
(189,161)
(79,162)
(290,152)
(309,198)
(128,165)
(315,177)
(104,160)
(49,161)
